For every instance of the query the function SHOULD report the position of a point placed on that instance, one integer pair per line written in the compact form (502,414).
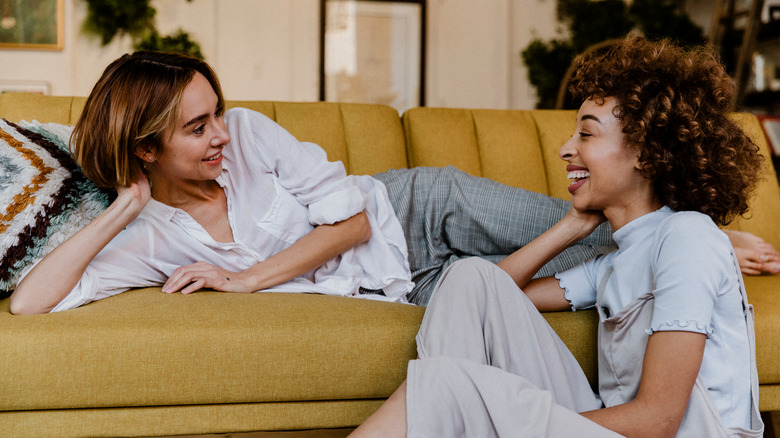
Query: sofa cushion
(495,144)
(147,348)
(346,131)
(44,196)
(28,106)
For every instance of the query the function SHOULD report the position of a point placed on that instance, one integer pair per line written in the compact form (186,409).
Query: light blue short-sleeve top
(687,262)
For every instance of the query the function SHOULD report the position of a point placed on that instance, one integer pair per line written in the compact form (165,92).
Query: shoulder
(246,126)
(691,242)
(154,216)
(687,226)
(245,117)
(154,226)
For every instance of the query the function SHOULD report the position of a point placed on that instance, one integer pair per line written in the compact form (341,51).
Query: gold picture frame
(32,24)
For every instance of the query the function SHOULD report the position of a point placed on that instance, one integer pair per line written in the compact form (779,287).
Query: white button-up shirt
(278,189)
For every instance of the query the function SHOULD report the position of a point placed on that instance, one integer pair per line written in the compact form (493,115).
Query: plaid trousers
(448,215)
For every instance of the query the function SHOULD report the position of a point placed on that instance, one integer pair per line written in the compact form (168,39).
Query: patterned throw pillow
(44,196)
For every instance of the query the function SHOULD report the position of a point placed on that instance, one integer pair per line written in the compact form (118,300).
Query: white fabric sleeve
(580,284)
(302,169)
(692,264)
(122,265)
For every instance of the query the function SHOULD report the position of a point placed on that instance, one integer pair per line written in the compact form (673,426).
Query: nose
(221,136)
(567,151)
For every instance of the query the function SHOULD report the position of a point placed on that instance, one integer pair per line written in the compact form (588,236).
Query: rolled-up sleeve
(122,265)
(303,170)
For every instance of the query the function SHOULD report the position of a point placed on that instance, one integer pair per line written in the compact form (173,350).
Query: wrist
(571,230)
(250,280)
(125,208)
(244,283)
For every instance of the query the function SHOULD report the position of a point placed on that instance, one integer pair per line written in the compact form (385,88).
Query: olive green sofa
(145,363)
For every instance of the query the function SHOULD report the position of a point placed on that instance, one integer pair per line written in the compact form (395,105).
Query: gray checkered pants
(448,215)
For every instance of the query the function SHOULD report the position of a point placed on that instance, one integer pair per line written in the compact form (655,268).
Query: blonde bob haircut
(136,99)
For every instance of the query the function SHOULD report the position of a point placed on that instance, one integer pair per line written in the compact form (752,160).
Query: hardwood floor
(771,420)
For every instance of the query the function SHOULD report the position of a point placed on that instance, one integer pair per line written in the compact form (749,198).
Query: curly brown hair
(674,105)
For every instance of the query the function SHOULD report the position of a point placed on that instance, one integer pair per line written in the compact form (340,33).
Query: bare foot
(754,254)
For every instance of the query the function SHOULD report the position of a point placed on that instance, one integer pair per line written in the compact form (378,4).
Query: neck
(618,217)
(183,192)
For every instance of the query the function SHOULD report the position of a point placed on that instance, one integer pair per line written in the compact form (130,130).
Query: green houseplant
(108,18)
(590,22)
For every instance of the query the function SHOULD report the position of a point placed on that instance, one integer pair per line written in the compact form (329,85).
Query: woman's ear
(638,164)
(144,153)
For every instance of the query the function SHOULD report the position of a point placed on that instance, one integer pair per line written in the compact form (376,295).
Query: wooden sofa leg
(771,421)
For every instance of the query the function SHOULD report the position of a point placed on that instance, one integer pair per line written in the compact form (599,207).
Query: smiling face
(603,170)
(192,148)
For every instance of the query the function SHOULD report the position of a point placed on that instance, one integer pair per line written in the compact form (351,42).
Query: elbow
(19,306)
(671,424)
(667,423)
(667,429)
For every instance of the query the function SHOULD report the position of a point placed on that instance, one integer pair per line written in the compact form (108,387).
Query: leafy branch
(108,18)
(591,22)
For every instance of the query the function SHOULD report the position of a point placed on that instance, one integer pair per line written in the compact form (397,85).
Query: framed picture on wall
(37,87)
(771,127)
(373,51)
(31,24)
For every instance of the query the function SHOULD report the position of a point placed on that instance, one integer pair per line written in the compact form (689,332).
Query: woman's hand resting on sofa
(323,243)
(754,254)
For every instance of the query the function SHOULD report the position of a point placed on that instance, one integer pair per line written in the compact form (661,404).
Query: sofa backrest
(763,218)
(367,138)
(515,147)
(497,144)
(520,148)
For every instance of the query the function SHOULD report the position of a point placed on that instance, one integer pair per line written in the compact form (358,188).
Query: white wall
(269,49)
(468,46)
(262,49)
(474,51)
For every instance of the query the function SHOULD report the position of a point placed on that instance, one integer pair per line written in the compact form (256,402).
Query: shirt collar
(159,210)
(641,227)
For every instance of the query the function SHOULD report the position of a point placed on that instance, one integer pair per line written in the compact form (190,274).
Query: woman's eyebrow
(590,117)
(196,120)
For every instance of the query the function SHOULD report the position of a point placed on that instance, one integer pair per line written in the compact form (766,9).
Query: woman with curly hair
(655,155)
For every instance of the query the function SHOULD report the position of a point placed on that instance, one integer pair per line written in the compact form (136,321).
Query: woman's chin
(579,204)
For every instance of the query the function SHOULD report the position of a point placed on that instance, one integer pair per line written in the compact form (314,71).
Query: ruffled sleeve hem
(567,281)
(684,326)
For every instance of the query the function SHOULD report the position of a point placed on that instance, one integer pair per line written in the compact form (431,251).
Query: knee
(467,271)
(479,272)
(467,278)
(443,372)
(472,266)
